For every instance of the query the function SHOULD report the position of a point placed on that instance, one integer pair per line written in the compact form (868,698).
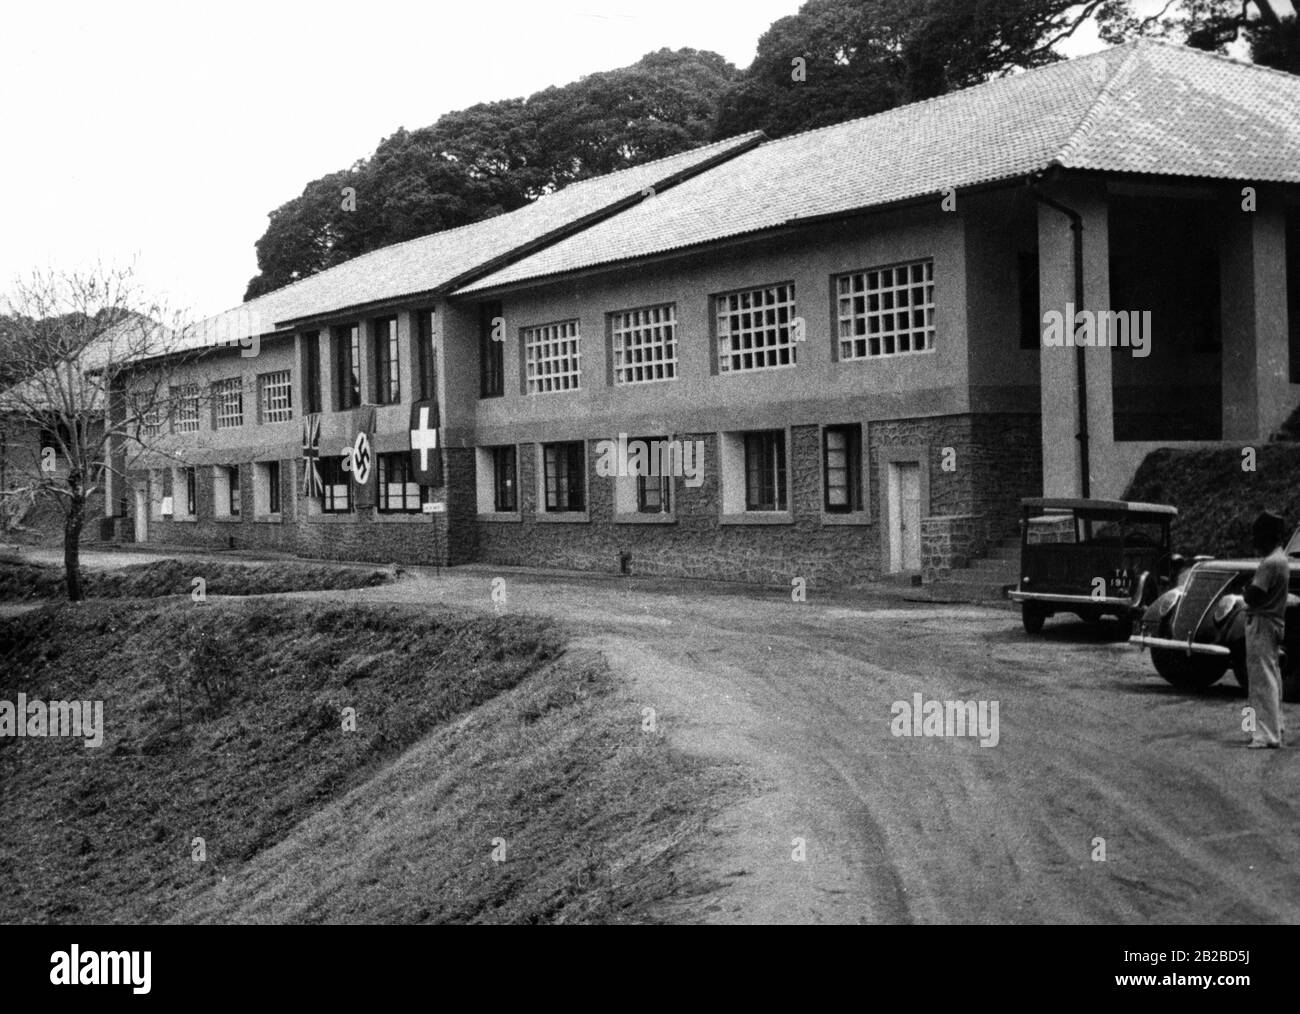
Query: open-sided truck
(1093,558)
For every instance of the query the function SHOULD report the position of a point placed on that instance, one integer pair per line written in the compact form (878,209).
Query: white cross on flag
(426,445)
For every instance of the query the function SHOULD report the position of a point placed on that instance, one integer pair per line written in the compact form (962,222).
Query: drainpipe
(1081,372)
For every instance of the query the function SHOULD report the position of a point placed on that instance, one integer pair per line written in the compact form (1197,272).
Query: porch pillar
(1059,372)
(1256,349)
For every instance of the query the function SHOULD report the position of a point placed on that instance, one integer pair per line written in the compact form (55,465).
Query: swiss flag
(426,444)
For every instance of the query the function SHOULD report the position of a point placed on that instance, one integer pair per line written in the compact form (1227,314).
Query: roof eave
(694,249)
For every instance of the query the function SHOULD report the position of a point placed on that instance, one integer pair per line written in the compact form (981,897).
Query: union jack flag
(311,480)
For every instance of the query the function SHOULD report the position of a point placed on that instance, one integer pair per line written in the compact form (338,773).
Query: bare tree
(74,341)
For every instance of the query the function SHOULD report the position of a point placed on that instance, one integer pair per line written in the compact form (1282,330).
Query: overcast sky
(165,132)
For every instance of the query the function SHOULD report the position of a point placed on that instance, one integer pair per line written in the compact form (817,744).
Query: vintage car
(1197,630)
(1093,558)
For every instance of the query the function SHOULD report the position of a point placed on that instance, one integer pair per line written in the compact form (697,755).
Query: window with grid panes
(229,397)
(842,468)
(564,475)
(552,357)
(886,311)
(336,497)
(185,401)
(644,344)
(151,421)
(276,396)
(397,490)
(765,480)
(388,389)
(755,329)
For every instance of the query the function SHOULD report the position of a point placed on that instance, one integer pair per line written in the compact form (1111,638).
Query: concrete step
(1000,566)
(949,591)
(974,579)
(905,579)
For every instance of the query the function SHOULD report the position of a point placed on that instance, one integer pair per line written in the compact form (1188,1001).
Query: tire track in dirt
(1092,744)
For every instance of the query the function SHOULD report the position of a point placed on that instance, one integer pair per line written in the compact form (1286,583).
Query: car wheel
(1194,672)
(1033,618)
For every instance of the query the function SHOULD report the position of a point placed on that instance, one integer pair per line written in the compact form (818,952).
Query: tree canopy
(832,61)
(494,157)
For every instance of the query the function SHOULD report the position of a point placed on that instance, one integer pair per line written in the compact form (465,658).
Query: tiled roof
(426,263)
(1144,107)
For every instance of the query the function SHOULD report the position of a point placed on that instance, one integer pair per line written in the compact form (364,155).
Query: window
(425,367)
(60,436)
(754,329)
(504,480)
(228,396)
(552,357)
(842,468)
(644,344)
(347,366)
(191,504)
(275,395)
(311,371)
(886,311)
(266,488)
(337,495)
(273,486)
(564,473)
(765,471)
(397,492)
(151,420)
(156,494)
(388,389)
(654,494)
(496,479)
(226,498)
(185,402)
(491,345)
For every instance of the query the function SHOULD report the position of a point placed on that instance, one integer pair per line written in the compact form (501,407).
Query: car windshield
(1128,532)
(1088,529)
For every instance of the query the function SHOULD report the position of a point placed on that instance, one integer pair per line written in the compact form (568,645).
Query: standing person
(1265,624)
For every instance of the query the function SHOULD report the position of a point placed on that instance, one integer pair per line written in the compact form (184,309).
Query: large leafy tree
(838,59)
(1273,39)
(494,157)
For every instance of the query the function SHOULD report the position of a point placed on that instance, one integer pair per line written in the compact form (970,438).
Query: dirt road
(1092,745)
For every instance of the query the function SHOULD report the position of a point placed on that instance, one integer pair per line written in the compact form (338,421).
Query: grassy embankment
(22,580)
(1216,499)
(225,721)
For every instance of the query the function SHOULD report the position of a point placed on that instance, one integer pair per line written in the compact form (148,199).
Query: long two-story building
(835,355)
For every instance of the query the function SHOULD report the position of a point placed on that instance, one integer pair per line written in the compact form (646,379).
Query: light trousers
(1263,640)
